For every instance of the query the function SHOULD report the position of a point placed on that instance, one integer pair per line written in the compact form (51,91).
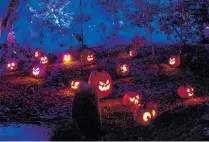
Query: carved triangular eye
(9,65)
(188,90)
(72,83)
(13,64)
(131,99)
(137,97)
(77,83)
(153,113)
(107,82)
(101,83)
(37,69)
(192,89)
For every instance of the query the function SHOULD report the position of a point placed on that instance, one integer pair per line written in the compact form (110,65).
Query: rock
(85,111)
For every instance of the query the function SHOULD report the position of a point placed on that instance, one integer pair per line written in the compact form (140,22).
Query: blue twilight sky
(100,29)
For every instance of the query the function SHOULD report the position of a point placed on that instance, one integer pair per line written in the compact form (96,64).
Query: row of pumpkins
(102,81)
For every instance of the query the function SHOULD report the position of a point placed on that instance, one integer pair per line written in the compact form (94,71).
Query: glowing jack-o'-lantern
(75,84)
(131,98)
(44,60)
(123,69)
(145,114)
(38,71)
(38,53)
(186,91)
(66,57)
(174,61)
(102,81)
(87,56)
(133,52)
(12,65)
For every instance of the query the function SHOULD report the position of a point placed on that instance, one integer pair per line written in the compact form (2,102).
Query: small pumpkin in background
(132,98)
(12,65)
(38,71)
(44,60)
(38,53)
(185,91)
(133,52)
(75,84)
(174,61)
(102,81)
(123,69)
(145,114)
(87,56)
(66,57)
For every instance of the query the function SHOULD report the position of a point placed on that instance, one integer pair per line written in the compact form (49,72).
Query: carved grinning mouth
(90,58)
(36,71)
(75,85)
(36,54)
(146,116)
(103,86)
(190,93)
(172,61)
(67,58)
(124,68)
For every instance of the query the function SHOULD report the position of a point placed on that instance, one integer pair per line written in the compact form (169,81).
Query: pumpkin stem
(99,69)
(184,83)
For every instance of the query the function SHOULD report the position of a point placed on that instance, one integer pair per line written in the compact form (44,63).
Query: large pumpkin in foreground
(174,61)
(186,91)
(87,56)
(102,81)
(145,114)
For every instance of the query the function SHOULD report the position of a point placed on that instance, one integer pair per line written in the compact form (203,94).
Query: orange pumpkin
(102,81)
(186,91)
(87,56)
(66,57)
(133,52)
(44,60)
(75,84)
(38,71)
(123,69)
(145,114)
(38,53)
(174,61)
(131,98)
(12,65)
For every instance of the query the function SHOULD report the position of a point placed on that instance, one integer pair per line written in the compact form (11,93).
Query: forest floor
(47,101)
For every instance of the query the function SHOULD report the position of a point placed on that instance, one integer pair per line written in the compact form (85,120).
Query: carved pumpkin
(12,65)
(38,53)
(186,91)
(133,52)
(75,84)
(87,56)
(145,114)
(66,57)
(38,71)
(44,60)
(174,61)
(102,81)
(123,69)
(131,98)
